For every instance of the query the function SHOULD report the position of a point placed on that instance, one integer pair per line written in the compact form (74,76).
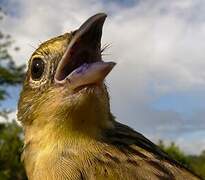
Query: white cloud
(159,47)
(11,116)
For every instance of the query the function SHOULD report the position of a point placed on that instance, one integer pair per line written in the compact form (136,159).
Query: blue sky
(11,7)
(12,98)
(185,103)
(158,85)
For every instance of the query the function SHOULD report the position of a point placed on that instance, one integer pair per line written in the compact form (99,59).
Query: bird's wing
(129,155)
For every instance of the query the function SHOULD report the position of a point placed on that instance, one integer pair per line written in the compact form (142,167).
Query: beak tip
(112,64)
(109,66)
(101,15)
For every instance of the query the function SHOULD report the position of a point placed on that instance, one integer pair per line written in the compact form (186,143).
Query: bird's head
(64,83)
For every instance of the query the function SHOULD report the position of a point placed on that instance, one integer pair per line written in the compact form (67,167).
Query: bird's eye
(37,68)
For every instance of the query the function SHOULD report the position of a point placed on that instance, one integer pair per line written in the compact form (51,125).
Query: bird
(69,130)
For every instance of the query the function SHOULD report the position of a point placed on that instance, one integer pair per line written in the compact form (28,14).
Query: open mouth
(82,64)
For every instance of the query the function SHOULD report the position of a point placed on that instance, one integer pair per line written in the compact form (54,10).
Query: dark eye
(37,68)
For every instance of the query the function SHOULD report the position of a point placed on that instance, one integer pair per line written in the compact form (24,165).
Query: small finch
(70,132)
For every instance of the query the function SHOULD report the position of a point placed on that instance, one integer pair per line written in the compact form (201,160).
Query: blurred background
(157,87)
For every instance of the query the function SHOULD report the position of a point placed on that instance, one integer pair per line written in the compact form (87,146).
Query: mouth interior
(86,49)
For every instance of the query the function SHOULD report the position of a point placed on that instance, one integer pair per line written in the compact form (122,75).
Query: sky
(158,84)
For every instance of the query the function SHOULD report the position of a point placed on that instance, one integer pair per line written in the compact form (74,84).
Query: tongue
(88,74)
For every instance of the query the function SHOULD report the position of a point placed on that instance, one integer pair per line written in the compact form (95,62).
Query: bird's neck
(77,133)
(85,123)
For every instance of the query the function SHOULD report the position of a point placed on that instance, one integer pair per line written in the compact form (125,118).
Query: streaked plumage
(70,132)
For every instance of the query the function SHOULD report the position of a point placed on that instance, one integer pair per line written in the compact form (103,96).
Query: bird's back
(138,158)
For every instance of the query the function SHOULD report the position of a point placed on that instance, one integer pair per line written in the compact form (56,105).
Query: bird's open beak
(81,64)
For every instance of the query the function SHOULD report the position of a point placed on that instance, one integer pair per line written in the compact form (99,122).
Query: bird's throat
(74,135)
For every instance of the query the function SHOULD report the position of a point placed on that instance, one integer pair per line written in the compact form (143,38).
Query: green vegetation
(196,163)
(10,133)
(10,73)
(10,149)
